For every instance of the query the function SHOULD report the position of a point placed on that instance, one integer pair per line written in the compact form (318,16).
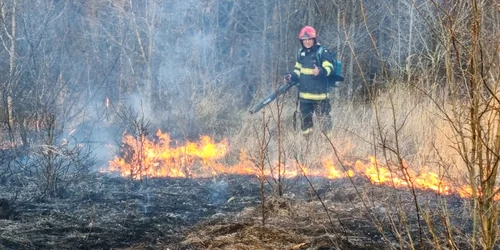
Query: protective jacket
(311,88)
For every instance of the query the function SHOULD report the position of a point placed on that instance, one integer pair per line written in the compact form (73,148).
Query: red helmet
(307,32)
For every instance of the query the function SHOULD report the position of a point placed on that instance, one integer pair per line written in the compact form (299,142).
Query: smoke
(219,192)
(186,66)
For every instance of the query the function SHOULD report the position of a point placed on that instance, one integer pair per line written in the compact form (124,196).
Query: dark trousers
(320,108)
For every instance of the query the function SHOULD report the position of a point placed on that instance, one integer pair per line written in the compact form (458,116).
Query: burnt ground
(224,212)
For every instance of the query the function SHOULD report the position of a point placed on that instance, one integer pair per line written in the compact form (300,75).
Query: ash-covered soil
(224,212)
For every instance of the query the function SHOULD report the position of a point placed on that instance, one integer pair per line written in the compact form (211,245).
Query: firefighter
(311,76)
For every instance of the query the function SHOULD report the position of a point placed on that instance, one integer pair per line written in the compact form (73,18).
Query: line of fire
(144,158)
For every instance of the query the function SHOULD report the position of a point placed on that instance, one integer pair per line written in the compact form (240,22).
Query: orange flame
(145,158)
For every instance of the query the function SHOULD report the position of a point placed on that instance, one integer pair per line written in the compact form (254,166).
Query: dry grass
(360,129)
(402,123)
(292,225)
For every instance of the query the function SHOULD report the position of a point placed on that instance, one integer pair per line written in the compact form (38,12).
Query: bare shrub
(137,126)
(56,162)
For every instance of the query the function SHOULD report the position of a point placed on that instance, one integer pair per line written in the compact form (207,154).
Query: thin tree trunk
(12,52)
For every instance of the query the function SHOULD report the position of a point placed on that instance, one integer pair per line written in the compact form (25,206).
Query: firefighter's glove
(287,78)
(319,71)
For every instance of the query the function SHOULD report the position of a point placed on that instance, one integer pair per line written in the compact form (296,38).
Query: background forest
(421,89)
(196,65)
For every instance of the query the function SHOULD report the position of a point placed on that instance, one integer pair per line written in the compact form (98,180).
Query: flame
(141,158)
(144,158)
